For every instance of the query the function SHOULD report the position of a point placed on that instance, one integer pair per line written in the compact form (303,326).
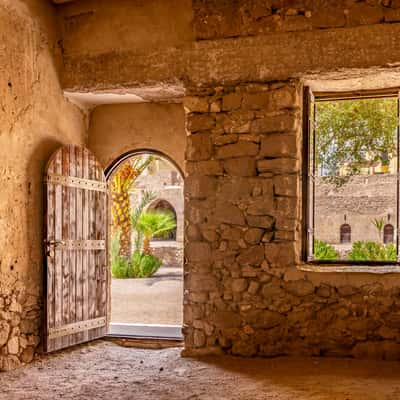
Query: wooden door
(76,279)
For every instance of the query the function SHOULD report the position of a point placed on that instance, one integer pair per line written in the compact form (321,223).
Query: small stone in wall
(13,345)
(195,104)
(240,149)
(199,338)
(9,363)
(229,213)
(260,221)
(27,355)
(254,255)
(300,287)
(239,285)
(4,332)
(253,235)
(242,166)
(231,101)
(253,287)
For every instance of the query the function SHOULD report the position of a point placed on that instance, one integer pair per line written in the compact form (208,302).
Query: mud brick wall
(35,119)
(244,294)
(216,19)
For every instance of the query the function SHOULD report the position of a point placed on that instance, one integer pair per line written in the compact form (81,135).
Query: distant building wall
(357,203)
(165,181)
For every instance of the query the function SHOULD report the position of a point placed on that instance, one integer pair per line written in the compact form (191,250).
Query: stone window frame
(308,191)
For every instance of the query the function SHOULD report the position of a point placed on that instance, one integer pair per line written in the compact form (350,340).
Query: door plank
(58,272)
(79,236)
(65,253)
(72,236)
(85,256)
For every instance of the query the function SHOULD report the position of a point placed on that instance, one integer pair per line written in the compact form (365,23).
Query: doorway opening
(146,246)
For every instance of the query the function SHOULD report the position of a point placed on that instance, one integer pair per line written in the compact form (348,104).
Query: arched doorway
(164,206)
(388,234)
(345,233)
(146,245)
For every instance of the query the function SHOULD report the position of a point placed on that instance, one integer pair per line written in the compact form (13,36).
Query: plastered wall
(34,120)
(120,128)
(93,26)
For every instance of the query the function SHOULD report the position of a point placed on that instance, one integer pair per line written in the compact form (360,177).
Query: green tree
(355,134)
(153,223)
(379,225)
(122,182)
(147,197)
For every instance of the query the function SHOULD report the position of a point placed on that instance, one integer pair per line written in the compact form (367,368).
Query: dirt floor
(155,300)
(104,370)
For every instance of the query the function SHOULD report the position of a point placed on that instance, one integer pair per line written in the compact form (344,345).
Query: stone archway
(164,205)
(136,308)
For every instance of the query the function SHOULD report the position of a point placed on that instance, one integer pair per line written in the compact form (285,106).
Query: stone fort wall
(357,203)
(166,182)
(245,291)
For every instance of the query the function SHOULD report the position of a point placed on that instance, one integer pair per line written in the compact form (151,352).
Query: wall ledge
(369,269)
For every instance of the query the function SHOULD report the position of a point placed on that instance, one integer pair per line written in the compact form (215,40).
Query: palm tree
(147,197)
(379,225)
(122,183)
(153,223)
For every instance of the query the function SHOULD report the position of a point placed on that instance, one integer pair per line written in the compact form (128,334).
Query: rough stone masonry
(243,238)
(244,292)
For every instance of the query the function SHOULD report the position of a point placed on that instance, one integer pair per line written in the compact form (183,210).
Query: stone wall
(244,292)
(166,183)
(215,19)
(170,253)
(357,203)
(35,120)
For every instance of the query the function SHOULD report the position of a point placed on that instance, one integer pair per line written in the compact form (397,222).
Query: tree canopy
(354,134)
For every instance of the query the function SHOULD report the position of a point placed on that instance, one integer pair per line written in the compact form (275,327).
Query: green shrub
(139,266)
(120,267)
(144,265)
(324,251)
(372,251)
(149,265)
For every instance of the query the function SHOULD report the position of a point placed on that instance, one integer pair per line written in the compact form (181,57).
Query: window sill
(366,269)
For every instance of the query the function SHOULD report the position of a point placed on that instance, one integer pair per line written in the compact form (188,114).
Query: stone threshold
(145,343)
(368,269)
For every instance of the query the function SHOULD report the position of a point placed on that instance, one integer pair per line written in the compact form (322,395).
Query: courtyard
(154,300)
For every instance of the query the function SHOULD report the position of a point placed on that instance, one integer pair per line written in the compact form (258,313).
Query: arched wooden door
(75,229)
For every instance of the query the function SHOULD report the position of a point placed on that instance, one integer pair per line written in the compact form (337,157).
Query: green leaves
(354,134)
(148,196)
(379,224)
(324,251)
(144,265)
(372,251)
(154,223)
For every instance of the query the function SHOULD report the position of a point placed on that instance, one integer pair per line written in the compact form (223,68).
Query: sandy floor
(155,300)
(107,371)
